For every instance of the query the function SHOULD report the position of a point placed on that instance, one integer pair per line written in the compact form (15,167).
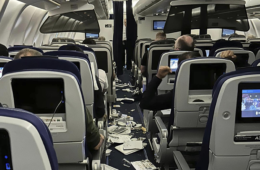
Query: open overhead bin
(202,14)
(71,19)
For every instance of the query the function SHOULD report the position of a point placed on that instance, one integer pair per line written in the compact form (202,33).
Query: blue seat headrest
(84,48)
(67,53)
(28,63)
(19,48)
(223,44)
(41,128)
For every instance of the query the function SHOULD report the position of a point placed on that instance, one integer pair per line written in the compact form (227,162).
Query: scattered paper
(143,165)
(166,112)
(132,110)
(115,138)
(133,145)
(127,152)
(114,128)
(108,151)
(116,105)
(107,167)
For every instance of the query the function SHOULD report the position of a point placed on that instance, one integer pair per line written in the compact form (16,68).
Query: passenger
(239,62)
(184,43)
(98,94)
(101,38)
(89,41)
(250,37)
(3,51)
(159,36)
(93,138)
(27,52)
(161,102)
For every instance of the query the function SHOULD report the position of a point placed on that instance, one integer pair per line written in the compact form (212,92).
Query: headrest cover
(163,42)
(19,48)
(84,48)
(28,63)
(41,128)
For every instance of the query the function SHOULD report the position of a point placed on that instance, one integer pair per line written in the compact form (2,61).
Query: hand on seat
(163,71)
(228,53)
(102,138)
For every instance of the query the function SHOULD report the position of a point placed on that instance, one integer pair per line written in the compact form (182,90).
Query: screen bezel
(227,35)
(158,21)
(169,62)
(239,118)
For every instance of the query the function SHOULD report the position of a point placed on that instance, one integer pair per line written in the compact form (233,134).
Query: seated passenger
(27,52)
(98,94)
(150,100)
(89,41)
(159,36)
(93,138)
(3,51)
(101,38)
(239,62)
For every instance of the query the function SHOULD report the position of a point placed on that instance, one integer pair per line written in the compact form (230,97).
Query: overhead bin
(67,19)
(203,14)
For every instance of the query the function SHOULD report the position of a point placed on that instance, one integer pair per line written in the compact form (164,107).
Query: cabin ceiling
(101,6)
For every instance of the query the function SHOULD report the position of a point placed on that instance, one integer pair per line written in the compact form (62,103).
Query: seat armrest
(97,155)
(161,126)
(180,161)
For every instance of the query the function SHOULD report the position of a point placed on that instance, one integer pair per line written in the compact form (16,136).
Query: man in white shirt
(103,80)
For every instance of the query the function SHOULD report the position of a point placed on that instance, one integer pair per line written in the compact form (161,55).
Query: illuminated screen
(90,35)
(207,53)
(227,32)
(250,106)
(174,64)
(1,71)
(158,25)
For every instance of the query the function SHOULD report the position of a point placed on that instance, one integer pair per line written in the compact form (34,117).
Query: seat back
(139,51)
(46,86)
(145,49)
(87,79)
(233,121)
(154,56)
(256,63)
(223,44)
(169,59)
(3,61)
(243,56)
(240,39)
(25,141)
(104,62)
(193,86)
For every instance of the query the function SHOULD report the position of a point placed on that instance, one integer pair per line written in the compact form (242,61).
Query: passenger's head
(27,52)
(185,43)
(101,38)
(188,55)
(89,41)
(73,48)
(250,37)
(3,51)
(160,36)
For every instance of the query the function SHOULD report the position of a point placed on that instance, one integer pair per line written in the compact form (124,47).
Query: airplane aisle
(133,110)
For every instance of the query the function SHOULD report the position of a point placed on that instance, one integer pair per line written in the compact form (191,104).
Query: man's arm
(93,138)
(150,100)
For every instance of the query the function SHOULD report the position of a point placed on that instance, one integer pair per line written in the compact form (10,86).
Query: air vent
(73,6)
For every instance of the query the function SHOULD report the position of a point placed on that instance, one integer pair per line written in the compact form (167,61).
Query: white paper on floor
(107,167)
(143,165)
(133,145)
(127,152)
(119,130)
(115,138)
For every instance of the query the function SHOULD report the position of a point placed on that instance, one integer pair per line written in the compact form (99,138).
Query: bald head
(185,43)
